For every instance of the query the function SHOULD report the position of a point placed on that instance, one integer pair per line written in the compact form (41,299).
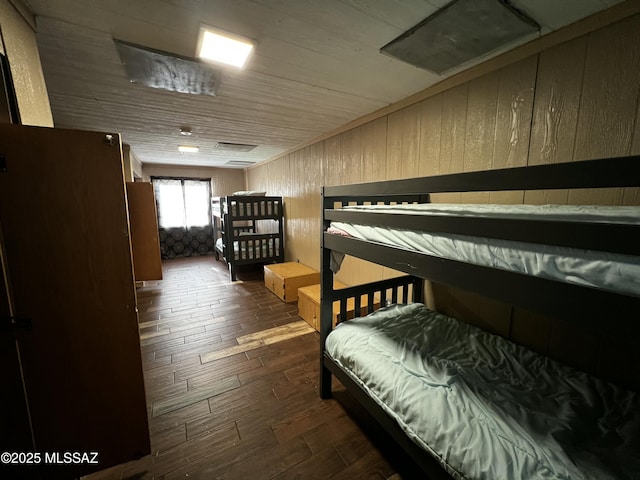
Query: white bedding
(484,407)
(613,272)
(240,251)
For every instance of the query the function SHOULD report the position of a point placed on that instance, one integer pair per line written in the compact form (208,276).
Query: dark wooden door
(143,223)
(68,265)
(15,431)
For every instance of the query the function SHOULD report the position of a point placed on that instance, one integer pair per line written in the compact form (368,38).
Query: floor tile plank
(176,402)
(231,378)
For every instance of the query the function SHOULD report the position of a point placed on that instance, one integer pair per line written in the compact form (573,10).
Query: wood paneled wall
(17,26)
(573,101)
(224,181)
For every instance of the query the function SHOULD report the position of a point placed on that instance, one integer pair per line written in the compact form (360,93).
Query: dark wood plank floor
(254,412)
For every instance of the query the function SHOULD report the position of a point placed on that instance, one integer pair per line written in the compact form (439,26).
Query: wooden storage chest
(309,305)
(284,279)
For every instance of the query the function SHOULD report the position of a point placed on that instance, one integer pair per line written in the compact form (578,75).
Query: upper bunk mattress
(485,407)
(247,207)
(614,272)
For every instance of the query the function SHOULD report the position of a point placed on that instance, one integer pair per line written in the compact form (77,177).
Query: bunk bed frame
(235,220)
(571,302)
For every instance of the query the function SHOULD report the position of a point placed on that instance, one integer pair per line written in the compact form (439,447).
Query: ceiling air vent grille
(167,71)
(462,31)
(234,147)
(240,163)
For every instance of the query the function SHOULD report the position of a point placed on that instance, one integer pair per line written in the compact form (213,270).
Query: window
(182,202)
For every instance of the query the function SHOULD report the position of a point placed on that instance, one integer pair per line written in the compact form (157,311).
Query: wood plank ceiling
(316,66)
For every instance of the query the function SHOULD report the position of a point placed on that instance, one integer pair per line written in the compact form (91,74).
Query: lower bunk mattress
(485,407)
(264,250)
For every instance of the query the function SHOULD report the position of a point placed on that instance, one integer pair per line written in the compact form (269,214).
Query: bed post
(227,228)
(326,304)
(418,290)
(232,272)
(278,209)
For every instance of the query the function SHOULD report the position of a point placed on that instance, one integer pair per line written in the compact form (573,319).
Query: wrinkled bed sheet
(485,407)
(607,271)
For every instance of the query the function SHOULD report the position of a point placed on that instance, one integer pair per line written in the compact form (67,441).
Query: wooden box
(309,305)
(284,279)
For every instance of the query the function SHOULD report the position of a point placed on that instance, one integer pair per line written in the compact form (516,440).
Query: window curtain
(184,217)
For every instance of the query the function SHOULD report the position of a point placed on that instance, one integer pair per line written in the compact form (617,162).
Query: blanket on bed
(485,407)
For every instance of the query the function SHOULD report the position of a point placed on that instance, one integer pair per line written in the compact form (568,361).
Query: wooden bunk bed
(248,229)
(605,309)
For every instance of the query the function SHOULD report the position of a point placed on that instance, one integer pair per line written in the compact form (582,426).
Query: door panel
(143,222)
(66,235)
(15,431)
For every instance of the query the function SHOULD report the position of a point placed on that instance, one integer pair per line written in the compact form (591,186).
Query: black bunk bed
(597,309)
(248,229)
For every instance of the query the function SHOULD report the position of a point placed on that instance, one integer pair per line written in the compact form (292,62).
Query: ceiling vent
(167,71)
(462,31)
(234,147)
(240,163)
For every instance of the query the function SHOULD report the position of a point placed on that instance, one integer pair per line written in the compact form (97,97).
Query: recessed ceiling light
(223,47)
(186,131)
(187,149)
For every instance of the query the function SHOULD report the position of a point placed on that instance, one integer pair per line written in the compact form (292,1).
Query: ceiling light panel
(188,149)
(223,47)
